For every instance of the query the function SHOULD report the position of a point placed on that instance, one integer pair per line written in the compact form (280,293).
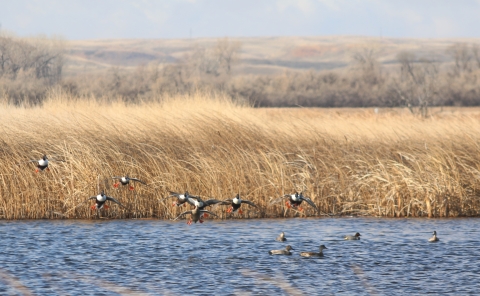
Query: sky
(101,19)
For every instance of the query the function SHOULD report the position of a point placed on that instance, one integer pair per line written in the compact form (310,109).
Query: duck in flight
(196,215)
(182,199)
(100,201)
(235,204)
(295,200)
(200,204)
(42,163)
(125,181)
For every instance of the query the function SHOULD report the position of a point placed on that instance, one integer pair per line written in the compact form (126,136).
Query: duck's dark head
(322,247)
(186,193)
(434,232)
(44,157)
(357,234)
(288,248)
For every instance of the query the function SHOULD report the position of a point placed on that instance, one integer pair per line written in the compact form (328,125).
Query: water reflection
(148,257)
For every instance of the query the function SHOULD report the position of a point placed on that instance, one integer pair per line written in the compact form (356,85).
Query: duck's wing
(115,201)
(183,214)
(191,200)
(208,212)
(211,202)
(310,202)
(137,180)
(174,194)
(249,203)
(92,197)
(226,202)
(116,178)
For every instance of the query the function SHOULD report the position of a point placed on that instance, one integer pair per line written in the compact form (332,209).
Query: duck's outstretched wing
(117,178)
(115,201)
(226,202)
(137,180)
(310,202)
(211,202)
(182,214)
(249,203)
(91,197)
(208,212)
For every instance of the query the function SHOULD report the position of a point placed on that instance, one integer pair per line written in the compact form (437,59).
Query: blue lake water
(150,257)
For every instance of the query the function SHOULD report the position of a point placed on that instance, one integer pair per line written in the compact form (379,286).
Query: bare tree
(462,58)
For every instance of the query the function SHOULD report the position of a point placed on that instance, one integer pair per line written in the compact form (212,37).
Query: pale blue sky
(93,19)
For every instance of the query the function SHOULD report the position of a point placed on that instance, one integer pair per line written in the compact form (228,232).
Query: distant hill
(262,55)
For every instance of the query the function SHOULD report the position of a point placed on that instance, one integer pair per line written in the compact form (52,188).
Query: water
(231,257)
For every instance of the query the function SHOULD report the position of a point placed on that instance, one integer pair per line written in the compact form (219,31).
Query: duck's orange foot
(300,209)
(201,221)
(288,204)
(48,169)
(189,222)
(240,212)
(205,215)
(93,207)
(131,188)
(106,207)
(115,185)
(184,205)
(36,171)
(230,209)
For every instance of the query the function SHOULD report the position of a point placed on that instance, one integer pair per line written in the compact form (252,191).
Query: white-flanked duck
(235,204)
(126,180)
(286,251)
(296,199)
(200,204)
(42,163)
(314,254)
(353,237)
(281,237)
(434,238)
(101,199)
(181,198)
(196,215)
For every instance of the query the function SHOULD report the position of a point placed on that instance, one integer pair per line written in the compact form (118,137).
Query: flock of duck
(199,212)
(356,236)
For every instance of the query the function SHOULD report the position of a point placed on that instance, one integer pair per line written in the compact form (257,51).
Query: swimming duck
(199,203)
(125,180)
(353,237)
(314,254)
(235,204)
(196,215)
(286,251)
(295,200)
(181,198)
(281,237)
(434,238)
(100,201)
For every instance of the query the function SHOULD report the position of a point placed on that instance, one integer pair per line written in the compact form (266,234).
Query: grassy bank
(348,161)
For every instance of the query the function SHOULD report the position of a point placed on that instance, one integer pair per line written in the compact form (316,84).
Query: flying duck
(281,237)
(200,204)
(196,215)
(295,200)
(235,204)
(314,254)
(42,163)
(100,201)
(125,180)
(353,237)
(181,198)
(434,238)
(286,251)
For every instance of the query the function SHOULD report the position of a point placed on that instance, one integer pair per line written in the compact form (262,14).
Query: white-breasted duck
(434,238)
(286,251)
(314,254)
(181,198)
(353,237)
(281,237)
(196,215)
(235,204)
(42,164)
(125,181)
(296,199)
(100,201)
(199,203)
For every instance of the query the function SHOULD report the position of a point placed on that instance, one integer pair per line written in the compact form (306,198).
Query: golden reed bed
(350,162)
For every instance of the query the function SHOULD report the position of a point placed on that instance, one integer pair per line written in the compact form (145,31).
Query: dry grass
(348,162)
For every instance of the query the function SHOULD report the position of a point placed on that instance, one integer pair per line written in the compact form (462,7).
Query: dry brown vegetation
(350,162)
